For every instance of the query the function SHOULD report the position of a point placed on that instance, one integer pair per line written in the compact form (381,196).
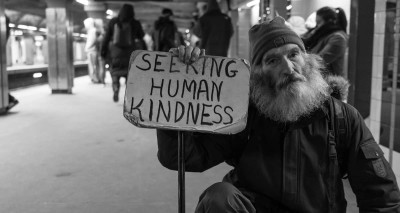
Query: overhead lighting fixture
(84,2)
(26,27)
(37,75)
(253,3)
(109,12)
(11,25)
(289,7)
(43,30)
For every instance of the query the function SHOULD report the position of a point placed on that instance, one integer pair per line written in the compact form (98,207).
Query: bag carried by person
(122,35)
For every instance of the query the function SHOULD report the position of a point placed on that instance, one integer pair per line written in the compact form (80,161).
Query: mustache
(290,78)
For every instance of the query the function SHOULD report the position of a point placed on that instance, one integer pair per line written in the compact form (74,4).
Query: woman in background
(329,39)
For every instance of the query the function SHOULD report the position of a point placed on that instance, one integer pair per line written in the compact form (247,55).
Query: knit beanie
(269,35)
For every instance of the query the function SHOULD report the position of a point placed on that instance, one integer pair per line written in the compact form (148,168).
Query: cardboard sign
(210,95)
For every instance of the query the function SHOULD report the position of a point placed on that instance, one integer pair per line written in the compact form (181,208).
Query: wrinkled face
(282,67)
(288,84)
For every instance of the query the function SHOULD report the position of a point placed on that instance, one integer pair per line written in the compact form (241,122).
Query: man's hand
(187,54)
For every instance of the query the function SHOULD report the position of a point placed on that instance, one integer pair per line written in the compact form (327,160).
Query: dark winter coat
(330,43)
(120,56)
(215,31)
(165,35)
(288,165)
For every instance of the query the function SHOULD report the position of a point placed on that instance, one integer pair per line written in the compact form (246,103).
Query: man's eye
(271,61)
(293,54)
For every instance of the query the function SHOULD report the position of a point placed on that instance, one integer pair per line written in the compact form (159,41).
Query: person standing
(12,101)
(92,49)
(166,35)
(329,39)
(123,35)
(214,30)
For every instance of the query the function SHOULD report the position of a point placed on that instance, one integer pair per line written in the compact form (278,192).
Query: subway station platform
(77,154)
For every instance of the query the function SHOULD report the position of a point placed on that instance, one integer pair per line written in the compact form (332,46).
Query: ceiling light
(84,2)
(252,3)
(109,12)
(37,75)
(26,27)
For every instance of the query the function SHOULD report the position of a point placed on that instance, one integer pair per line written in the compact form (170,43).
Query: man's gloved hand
(188,54)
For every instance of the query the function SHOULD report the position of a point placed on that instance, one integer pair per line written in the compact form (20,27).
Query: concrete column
(59,36)
(361,44)
(3,61)
(278,7)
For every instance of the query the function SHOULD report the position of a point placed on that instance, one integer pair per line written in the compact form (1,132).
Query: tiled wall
(381,113)
(377,66)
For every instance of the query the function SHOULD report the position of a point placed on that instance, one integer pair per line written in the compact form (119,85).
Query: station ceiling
(33,12)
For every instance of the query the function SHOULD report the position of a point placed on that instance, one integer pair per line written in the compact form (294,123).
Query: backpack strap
(333,157)
(337,135)
(341,138)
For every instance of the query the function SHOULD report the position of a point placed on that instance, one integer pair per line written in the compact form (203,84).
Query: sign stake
(181,172)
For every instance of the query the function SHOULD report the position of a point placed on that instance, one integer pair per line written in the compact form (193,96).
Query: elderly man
(290,157)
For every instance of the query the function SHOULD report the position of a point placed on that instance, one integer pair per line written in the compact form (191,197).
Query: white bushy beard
(297,98)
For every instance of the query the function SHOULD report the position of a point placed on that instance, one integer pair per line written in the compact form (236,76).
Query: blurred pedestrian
(92,48)
(329,38)
(12,101)
(124,35)
(214,30)
(166,35)
(297,23)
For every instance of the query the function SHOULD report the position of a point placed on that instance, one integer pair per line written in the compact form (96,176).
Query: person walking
(12,101)
(298,144)
(166,35)
(92,48)
(124,35)
(329,39)
(214,30)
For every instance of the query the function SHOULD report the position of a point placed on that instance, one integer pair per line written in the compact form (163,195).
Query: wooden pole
(181,172)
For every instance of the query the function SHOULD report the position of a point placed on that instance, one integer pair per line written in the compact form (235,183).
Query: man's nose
(287,66)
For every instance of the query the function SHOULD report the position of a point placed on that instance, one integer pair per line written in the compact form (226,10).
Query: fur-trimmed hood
(339,87)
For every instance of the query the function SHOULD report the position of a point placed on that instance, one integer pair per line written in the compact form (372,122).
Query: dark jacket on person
(288,164)
(215,31)
(120,55)
(165,35)
(330,43)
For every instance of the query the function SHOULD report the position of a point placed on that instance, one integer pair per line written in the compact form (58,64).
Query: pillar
(59,36)
(278,7)
(3,62)
(361,54)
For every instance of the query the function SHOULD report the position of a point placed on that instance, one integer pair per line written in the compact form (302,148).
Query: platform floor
(77,154)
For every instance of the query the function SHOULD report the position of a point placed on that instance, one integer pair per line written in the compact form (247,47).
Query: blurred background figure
(329,39)
(166,35)
(298,25)
(124,35)
(148,32)
(92,49)
(214,30)
(310,21)
(12,101)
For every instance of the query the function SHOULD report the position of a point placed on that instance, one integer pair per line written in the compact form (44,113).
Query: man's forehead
(282,50)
